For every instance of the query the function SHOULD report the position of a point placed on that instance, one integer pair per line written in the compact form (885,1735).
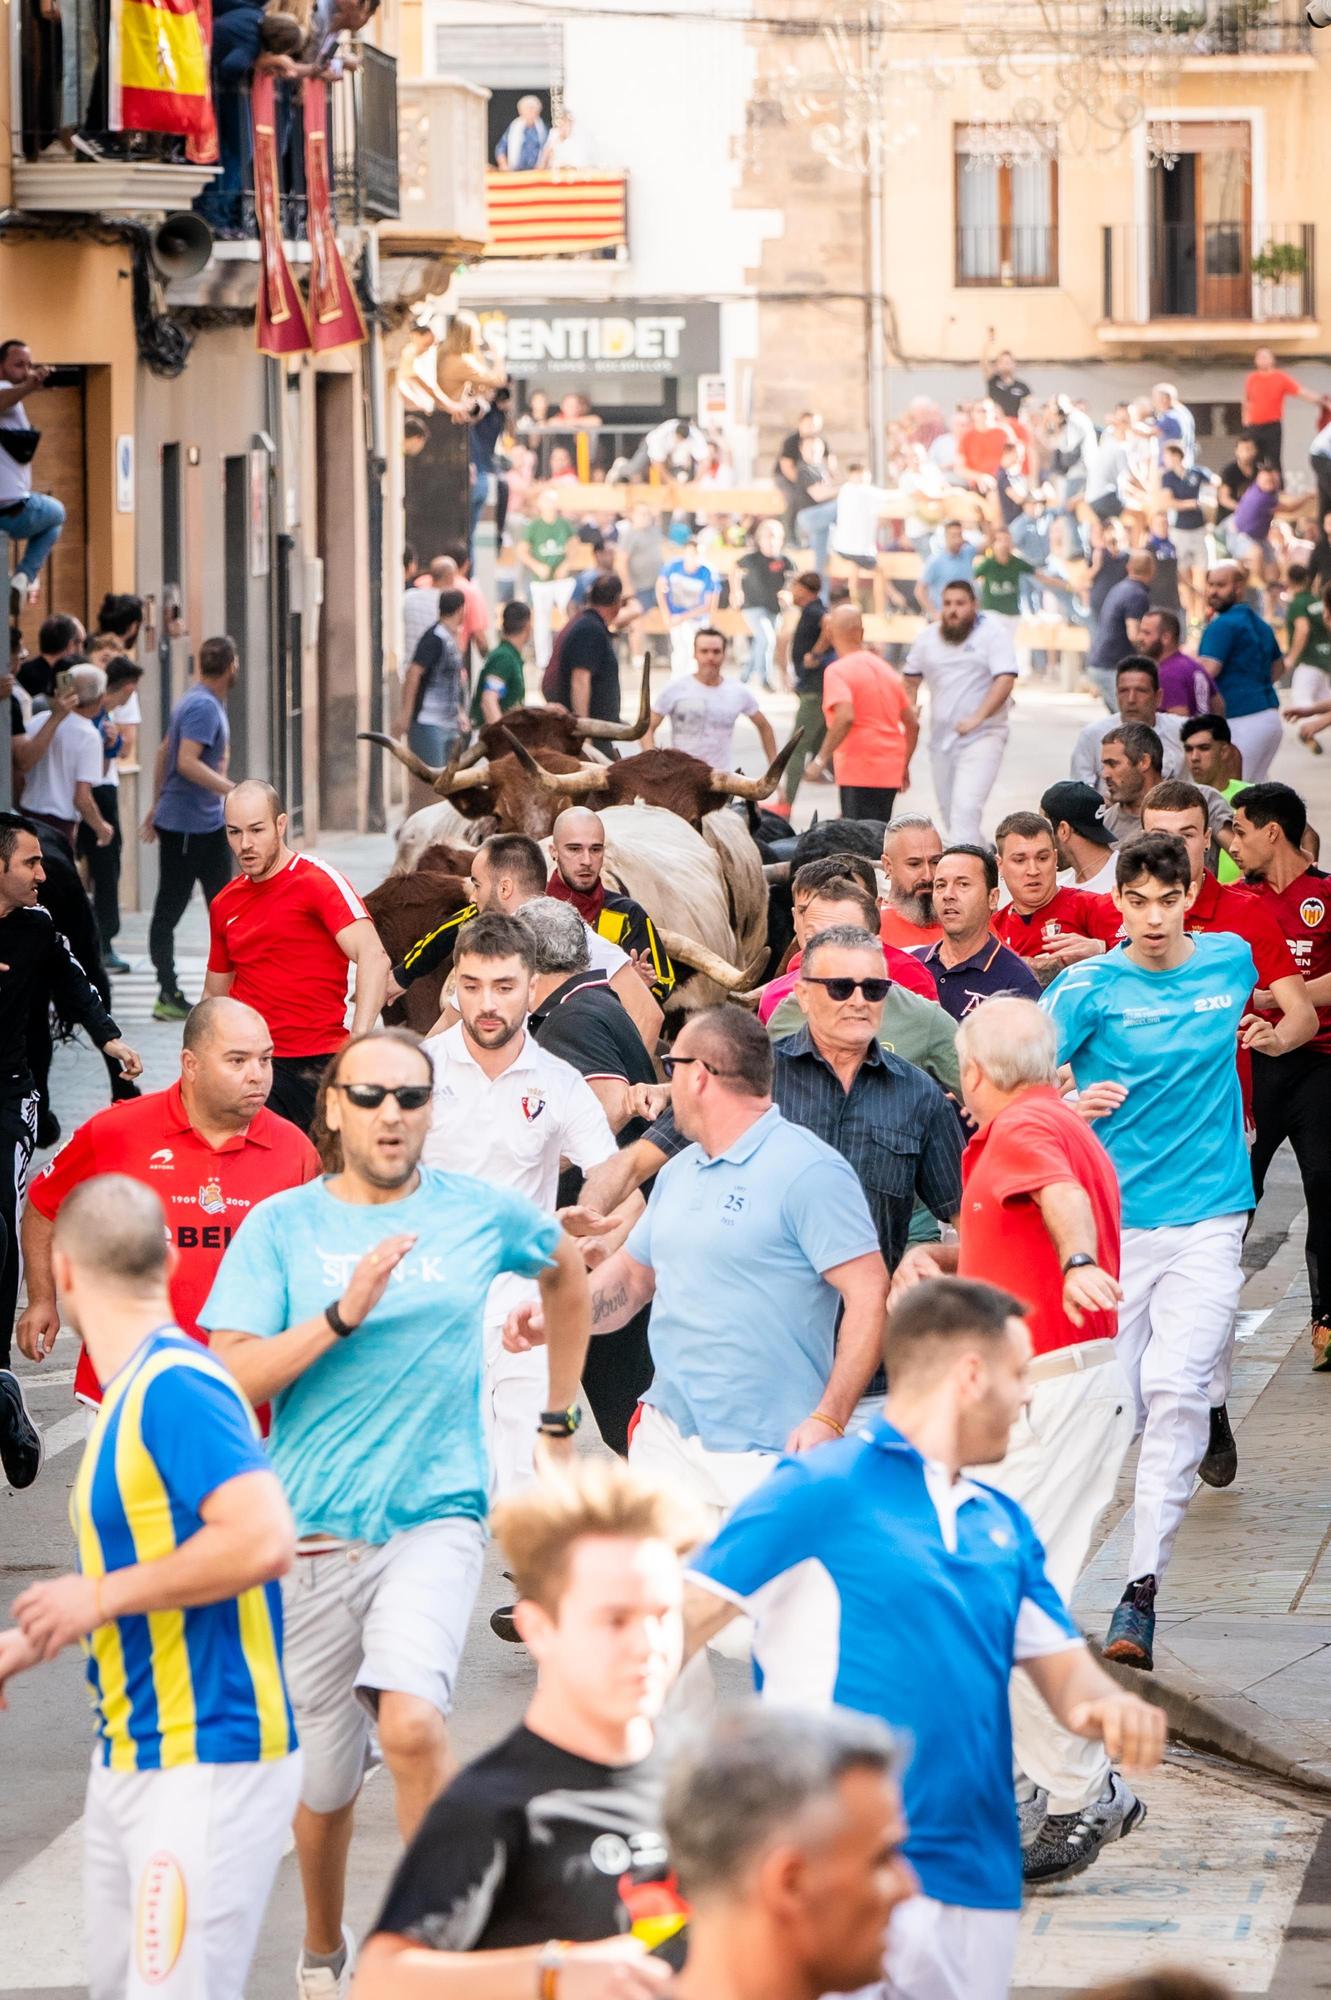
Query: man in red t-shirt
(206,1147)
(830,892)
(872,726)
(1291,1094)
(1051,927)
(1264,396)
(1040,1216)
(282,934)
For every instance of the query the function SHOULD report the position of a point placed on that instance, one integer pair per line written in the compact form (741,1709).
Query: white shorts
(940,1951)
(177,1870)
(365,1619)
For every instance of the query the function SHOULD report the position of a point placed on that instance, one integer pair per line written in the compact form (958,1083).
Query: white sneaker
(18,591)
(316,1982)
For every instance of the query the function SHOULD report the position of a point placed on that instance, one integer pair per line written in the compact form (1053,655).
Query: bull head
(445,779)
(623,732)
(563,784)
(710,963)
(732,785)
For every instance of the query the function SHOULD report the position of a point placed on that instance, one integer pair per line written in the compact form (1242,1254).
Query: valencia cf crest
(210,1198)
(1311,911)
(532,1107)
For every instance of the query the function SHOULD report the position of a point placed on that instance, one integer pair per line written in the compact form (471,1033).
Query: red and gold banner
(280,326)
(560,211)
(203,147)
(335,316)
(159,68)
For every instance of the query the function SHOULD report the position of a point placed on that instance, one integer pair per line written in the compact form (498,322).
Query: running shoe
(115,963)
(48,1128)
(20,1440)
(320,1982)
(1132,1628)
(1319,1331)
(1032,1814)
(1221,1462)
(503,1627)
(171,1006)
(1070,1842)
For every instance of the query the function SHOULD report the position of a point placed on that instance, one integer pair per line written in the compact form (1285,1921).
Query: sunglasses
(671,1063)
(369,1096)
(873,990)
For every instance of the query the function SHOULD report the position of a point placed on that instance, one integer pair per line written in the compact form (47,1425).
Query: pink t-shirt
(874,753)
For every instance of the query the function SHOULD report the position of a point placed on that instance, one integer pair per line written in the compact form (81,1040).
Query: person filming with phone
(32,521)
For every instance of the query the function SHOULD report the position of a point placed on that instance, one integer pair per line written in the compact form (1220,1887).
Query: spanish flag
(159,68)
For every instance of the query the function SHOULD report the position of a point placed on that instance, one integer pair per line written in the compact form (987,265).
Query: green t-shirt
(547,541)
(1317,652)
(1000,583)
(503,675)
(1227,870)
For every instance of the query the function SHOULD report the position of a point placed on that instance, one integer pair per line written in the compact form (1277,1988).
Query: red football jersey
(1303,913)
(1078,912)
(279,939)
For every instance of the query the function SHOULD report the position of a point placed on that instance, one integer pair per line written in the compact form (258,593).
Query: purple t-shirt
(1256,511)
(1184,683)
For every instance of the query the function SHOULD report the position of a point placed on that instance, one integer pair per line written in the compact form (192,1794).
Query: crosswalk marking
(134,993)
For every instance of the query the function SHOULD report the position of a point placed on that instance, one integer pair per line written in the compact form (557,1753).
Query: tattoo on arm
(606,1304)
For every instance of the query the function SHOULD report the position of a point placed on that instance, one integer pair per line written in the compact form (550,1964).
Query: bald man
(208,1149)
(872,727)
(578,841)
(283,933)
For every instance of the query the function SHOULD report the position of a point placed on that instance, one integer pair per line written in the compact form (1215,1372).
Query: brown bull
(552,727)
(407,907)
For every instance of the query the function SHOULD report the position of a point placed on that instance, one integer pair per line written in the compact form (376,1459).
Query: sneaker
(48,1128)
(320,1982)
(1221,1462)
(1070,1842)
(115,963)
(1031,1815)
(21,1447)
(503,1627)
(84,147)
(1319,1331)
(171,1006)
(1132,1628)
(18,594)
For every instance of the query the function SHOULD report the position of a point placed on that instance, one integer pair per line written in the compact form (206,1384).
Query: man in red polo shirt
(1040,1214)
(283,932)
(1051,927)
(206,1147)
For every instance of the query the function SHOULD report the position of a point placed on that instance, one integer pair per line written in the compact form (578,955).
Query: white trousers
(1181,1289)
(963,779)
(1257,738)
(177,1870)
(682,637)
(512,1397)
(1061,1466)
(546,599)
(1309,684)
(939,1951)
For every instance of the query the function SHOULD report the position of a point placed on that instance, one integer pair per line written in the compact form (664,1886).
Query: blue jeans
(37,522)
(762,645)
(432,741)
(813,528)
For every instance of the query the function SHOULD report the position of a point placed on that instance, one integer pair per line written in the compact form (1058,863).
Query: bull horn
(565,784)
(689,952)
(445,779)
(775,872)
(733,786)
(471,756)
(623,732)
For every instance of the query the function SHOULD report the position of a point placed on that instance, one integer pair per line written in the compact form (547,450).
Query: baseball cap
(1081,806)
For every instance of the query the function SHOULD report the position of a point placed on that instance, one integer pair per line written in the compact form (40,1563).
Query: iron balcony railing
(1007,254)
(1263,272)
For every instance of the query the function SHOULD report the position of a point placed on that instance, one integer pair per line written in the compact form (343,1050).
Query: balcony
(1162,281)
(365,141)
(441,127)
(1207,29)
(559,212)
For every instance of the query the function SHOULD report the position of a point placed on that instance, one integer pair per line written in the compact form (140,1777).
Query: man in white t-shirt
(507,1112)
(969,670)
(860,505)
(58,790)
(704,707)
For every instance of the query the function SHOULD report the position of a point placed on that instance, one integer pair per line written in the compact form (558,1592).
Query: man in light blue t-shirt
(354,1304)
(186,816)
(953,563)
(1152,1028)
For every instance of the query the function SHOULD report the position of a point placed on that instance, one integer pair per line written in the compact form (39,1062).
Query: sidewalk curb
(1196,1721)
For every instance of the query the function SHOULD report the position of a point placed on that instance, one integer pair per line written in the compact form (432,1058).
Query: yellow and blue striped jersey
(197,1686)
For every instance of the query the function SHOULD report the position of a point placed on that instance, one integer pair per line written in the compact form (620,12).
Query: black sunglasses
(671,1063)
(369,1096)
(873,990)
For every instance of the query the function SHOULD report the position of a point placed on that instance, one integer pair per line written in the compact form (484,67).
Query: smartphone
(64,682)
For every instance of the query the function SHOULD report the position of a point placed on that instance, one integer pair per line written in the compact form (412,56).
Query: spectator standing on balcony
(1265,394)
(521,148)
(245,42)
(1002,384)
(543,553)
(31,519)
(565,147)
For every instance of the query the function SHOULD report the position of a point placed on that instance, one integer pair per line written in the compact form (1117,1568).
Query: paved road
(1227,1873)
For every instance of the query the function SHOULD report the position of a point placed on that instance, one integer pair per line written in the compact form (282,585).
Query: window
(1007,206)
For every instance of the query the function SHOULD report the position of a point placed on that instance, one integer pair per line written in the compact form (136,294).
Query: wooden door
(60,469)
(1224,222)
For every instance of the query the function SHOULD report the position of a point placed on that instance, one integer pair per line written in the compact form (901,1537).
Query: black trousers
(1291,1099)
(295,1087)
(867,801)
(18,1137)
(615,1376)
(185,858)
(1269,439)
(104,864)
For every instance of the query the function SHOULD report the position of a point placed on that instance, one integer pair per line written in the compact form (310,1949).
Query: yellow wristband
(821,1417)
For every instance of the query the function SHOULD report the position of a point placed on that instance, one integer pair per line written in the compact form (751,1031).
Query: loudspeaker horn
(181,244)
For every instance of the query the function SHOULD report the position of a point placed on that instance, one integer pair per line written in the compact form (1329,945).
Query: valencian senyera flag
(335,316)
(280,326)
(159,68)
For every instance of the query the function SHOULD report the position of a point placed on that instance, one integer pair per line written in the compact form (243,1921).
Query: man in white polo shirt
(969,670)
(508,1112)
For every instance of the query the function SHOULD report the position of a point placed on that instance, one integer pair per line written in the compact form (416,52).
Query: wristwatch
(342,1328)
(1078,1263)
(560,1423)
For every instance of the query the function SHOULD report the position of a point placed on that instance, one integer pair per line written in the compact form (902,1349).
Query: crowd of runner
(996,1126)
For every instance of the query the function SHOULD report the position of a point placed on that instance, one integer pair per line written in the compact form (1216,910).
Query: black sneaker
(1131,1635)
(1069,1842)
(1221,1463)
(48,1128)
(503,1627)
(170,1006)
(21,1447)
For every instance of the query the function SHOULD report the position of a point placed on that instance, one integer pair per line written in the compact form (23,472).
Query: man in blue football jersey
(182,1532)
(1153,1024)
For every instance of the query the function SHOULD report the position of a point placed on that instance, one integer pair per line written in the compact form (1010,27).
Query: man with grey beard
(911,847)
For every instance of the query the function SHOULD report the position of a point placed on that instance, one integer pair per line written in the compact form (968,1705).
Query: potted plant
(1279,270)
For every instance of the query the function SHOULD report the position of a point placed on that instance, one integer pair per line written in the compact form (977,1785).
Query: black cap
(1081,806)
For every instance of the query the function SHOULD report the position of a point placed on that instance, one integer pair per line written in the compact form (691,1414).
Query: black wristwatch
(1078,1263)
(335,1320)
(560,1423)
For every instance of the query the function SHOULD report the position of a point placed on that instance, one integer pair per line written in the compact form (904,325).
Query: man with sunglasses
(377,1437)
